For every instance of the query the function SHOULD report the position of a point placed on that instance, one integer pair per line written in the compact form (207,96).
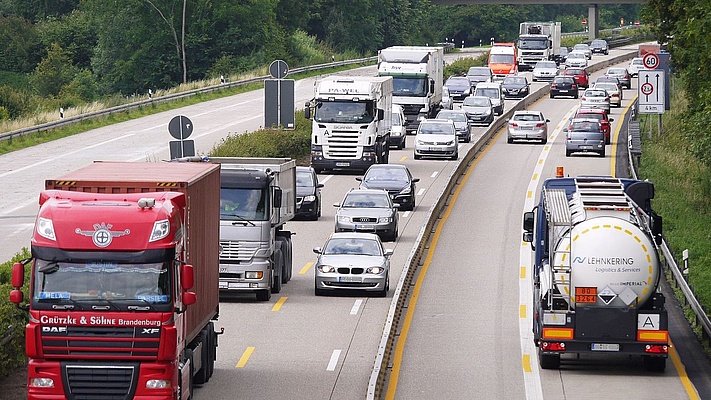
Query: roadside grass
(682,194)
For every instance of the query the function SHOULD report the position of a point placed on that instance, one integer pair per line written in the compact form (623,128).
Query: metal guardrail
(126,107)
(391,331)
(701,317)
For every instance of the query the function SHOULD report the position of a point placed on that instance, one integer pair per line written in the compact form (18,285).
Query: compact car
(396,179)
(367,210)
(527,125)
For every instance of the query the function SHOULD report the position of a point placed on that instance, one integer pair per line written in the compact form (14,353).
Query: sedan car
(461,123)
(459,87)
(576,59)
(352,261)
(635,66)
(612,90)
(396,179)
(436,138)
(622,75)
(584,48)
(564,51)
(600,115)
(599,46)
(545,70)
(564,86)
(581,76)
(308,194)
(479,109)
(515,86)
(595,98)
(586,136)
(479,74)
(368,210)
(528,125)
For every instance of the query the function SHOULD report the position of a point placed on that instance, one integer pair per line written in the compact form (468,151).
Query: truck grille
(342,144)
(98,342)
(410,109)
(100,382)
(237,251)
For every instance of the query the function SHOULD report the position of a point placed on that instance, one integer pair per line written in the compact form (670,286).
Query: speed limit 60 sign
(650,61)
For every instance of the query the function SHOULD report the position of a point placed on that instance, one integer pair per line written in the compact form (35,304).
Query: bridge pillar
(593,26)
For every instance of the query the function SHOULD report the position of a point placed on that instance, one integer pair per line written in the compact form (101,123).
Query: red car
(600,115)
(580,74)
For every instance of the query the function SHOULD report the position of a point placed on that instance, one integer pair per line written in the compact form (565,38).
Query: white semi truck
(418,77)
(596,271)
(257,199)
(352,119)
(538,41)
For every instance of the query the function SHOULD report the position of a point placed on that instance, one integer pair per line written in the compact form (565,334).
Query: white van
(493,91)
(397,131)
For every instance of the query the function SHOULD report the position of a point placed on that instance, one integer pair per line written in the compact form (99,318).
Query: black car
(599,46)
(563,55)
(308,194)
(515,86)
(459,87)
(564,86)
(396,179)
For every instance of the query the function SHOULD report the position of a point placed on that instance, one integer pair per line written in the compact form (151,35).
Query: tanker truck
(123,282)
(596,271)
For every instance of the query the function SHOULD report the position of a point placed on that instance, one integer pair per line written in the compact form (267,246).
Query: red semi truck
(123,282)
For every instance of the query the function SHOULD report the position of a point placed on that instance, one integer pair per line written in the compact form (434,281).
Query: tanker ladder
(559,223)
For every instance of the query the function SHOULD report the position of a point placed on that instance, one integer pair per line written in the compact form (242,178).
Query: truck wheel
(264,295)
(548,361)
(654,364)
(289,258)
(278,266)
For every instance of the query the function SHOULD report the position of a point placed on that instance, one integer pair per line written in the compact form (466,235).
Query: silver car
(576,59)
(368,210)
(461,123)
(622,75)
(528,125)
(586,136)
(595,98)
(583,48)
(612,90)
(436,138)
(352,261)
(545,71)
(479,109)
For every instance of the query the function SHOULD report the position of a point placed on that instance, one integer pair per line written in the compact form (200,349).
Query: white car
(436,138)
(583,48)
(545,71)
(635,66)
(576,59)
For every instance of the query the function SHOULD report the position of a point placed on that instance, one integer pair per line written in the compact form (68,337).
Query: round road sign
(180,127)
(650,61)
(647,88)
(278,69)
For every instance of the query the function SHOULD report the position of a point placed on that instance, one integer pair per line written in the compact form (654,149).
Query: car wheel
(552,97)
(403,143)
(455,156)
(417,157)
(607,140)
(576,96)
(509,140)
(602,153)
(544,140)
(567,153)
(386,287)
(319,292)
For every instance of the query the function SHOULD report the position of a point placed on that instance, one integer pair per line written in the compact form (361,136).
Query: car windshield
(305,179)
(477,102)
(576,55)
(563,80)
(610,87)
(488,92)
(571,71)
(598,116)
(457,82)
(585,126)
(454,116)
(386,174)
(637,61)
(616,71)
(581,47)
(369,200)
(599,43)
(527,117)
(436,129)
(354,246)
(595,93)
(546,64)
(515,80)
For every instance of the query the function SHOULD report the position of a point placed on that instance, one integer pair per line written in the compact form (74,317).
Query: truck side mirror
(528,219)
(277,197)
(18,275)
(432,83)
(657,228)
(307,111)
(189,298)
(187,276)
(381,114)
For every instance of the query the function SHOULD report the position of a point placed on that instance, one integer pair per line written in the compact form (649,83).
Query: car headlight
(466,91)
(487,112)
(383,220)
(310,198)
(407,190)
(420,143)
(344,218)
(421,118)
(374,270)
(327,269)
(451,142)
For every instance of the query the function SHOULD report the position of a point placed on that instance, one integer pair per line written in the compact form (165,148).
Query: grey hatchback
(368,210)
(585,136)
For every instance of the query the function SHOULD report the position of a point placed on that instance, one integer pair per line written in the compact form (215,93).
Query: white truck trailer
(596,271)
(352,118)
(418,77)
(538,41)
(257,199)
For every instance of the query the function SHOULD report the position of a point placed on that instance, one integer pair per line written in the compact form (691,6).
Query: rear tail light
(553,86)
(513,124)
(540,125)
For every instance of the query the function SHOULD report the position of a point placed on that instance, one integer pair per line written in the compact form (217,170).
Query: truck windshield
(347,112)
(239,204)
(99,280)
(409,86)
(533,44)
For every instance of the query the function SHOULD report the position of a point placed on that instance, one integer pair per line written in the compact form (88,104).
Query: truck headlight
(42,382)
(45,228)
(161,229)
(253,274)
(158,384)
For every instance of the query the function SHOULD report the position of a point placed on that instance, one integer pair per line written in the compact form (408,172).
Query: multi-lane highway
(467,338)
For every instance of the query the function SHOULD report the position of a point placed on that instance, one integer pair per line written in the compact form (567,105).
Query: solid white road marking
(356,307)
(334,360)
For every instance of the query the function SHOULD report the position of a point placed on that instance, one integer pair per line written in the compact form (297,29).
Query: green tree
(74,33)
(53,72)
(20,48)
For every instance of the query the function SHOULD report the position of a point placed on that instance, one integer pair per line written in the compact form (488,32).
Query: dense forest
(62,53)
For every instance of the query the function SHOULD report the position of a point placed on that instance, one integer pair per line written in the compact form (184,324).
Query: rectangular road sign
(651,91)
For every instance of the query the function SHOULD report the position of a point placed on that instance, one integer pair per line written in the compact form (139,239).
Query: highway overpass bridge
(593,26)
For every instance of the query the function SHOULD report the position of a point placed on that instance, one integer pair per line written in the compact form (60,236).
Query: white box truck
(538,41)
(352,117)
(418,77)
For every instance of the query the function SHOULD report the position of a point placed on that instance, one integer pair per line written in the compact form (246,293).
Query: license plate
(432,149)
(365,227)
(605,347)
(586,147)
(563,91)
(527,128)
(343,164)
(357,279)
